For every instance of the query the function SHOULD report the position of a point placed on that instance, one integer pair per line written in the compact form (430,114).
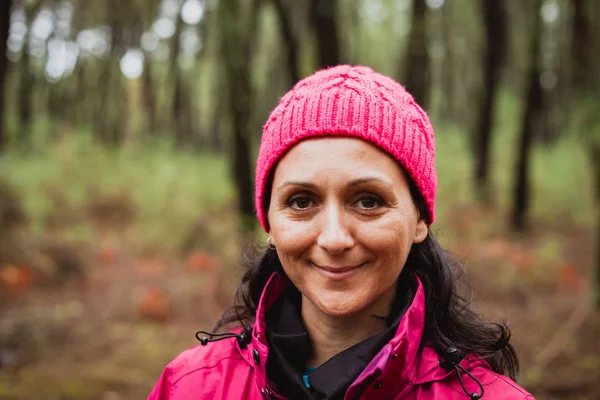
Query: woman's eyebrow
(295,183)
(368,179)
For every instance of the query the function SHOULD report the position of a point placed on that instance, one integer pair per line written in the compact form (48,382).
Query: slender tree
(494,17)
(447,79)
(533,106)
(238,28)
(179,118)
(291,42)
(417,60)
(5,7)
(323,16)
(585,50)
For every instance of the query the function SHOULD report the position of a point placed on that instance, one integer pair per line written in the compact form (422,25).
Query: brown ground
(119,315)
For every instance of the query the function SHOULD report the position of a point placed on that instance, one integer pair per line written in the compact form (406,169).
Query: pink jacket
(225,370)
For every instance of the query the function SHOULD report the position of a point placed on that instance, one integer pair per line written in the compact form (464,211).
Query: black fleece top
(290,348)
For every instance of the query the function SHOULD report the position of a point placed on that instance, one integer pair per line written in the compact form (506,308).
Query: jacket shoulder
(199,358)
(495,386)
(199,367)
(448,386)
(503,388)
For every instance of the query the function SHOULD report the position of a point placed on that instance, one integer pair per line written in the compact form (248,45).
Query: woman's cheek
(292,236)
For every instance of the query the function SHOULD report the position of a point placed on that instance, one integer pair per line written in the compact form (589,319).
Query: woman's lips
(337,273)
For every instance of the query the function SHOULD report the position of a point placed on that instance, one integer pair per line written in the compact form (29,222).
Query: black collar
(290,347)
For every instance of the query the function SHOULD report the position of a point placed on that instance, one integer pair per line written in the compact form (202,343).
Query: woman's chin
(338,304)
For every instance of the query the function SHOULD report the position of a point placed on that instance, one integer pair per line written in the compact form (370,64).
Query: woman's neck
(332,335)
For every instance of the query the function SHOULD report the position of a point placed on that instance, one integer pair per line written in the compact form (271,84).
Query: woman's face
(343,221)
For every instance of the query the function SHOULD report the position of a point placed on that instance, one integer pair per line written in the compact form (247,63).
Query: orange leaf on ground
(16,279)
(107,256)
(199,261)
(155,305)
(569,277)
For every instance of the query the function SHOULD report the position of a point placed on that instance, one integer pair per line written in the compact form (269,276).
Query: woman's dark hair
(449,319)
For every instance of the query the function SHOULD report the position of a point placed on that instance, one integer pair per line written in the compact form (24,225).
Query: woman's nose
(334,236)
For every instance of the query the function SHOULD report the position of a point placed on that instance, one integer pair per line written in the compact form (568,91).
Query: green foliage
(168,188)
(561,178)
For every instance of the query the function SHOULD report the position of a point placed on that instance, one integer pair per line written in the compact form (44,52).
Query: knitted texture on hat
(350,101)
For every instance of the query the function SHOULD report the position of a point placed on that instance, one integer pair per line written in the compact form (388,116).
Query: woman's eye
(300,202)
(369,203)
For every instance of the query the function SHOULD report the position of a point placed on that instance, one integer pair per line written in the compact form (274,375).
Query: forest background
(128,134)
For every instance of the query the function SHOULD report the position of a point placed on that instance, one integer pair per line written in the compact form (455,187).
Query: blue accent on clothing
(307,371)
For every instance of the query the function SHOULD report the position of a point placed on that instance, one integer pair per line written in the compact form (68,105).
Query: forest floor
(118,314)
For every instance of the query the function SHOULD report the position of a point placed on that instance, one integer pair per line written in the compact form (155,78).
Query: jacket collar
(399,365)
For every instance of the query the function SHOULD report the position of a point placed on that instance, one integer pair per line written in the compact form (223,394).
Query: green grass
(168,188)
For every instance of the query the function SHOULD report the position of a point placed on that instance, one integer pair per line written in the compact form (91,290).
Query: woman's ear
(420,231)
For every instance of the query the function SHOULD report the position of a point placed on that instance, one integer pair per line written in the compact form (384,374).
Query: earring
(270,245)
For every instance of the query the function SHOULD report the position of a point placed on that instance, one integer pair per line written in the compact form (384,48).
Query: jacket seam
(205,367)
(514,385)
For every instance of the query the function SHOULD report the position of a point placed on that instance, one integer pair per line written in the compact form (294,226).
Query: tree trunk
(586,82)
(182,129)
(25,102)
(448,82)
(291,44)
(533,107)
(237,34)
(580,44)
(149,95)
(494,16)
(595,157)
(4,25)
(417,60)
(324,22)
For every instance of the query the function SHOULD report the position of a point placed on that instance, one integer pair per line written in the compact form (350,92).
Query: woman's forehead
(336,157)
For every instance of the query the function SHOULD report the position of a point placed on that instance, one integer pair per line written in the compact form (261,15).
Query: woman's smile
(338,273)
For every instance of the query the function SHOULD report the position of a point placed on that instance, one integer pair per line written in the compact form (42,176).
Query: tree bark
(149,95)
(494,16)
(237,35)
(179,103)
(580,44)
(25,92)
(4,26)
(417,60)
(533,107)
(292,47)
(586,82)
(324,22)
(448,82)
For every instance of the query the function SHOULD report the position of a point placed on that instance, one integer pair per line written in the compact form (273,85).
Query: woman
(354,298)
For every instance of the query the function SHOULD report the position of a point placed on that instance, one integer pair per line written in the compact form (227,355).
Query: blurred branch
(562,336)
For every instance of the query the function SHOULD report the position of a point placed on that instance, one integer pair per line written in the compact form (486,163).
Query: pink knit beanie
(351,101)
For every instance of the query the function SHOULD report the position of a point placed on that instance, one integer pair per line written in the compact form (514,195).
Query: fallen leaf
(199,261)
(107,256)
(155,305)
(569,277)
(16,279)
